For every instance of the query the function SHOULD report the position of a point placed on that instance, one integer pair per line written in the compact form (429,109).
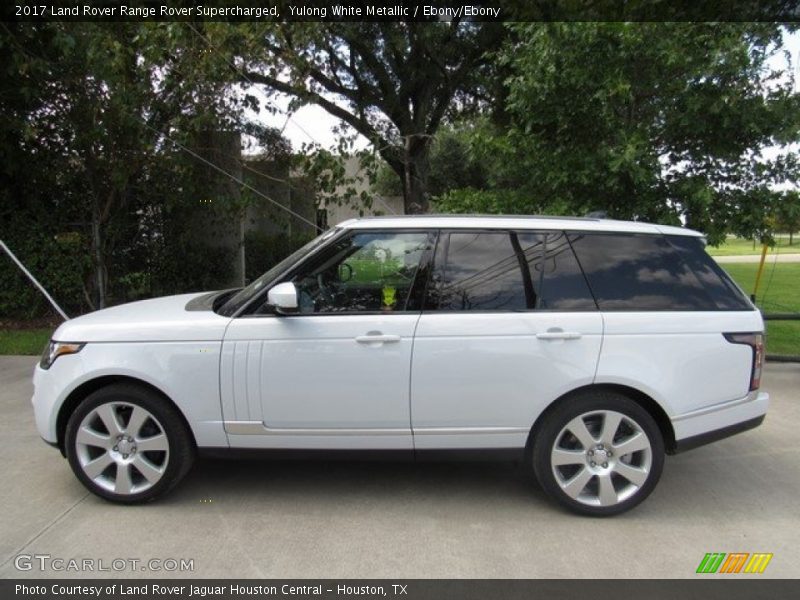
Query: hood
(159,319)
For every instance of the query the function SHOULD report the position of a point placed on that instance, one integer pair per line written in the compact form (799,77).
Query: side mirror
(283,297)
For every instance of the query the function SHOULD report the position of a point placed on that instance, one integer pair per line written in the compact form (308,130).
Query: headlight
(55,349)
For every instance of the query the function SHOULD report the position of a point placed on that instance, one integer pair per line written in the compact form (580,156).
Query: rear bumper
(718,434)
(713,423)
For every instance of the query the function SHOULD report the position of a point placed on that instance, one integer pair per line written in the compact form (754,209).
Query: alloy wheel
(122,448)
(601,458)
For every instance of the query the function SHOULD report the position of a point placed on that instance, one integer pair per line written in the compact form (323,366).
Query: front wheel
(125,443)
(598,454)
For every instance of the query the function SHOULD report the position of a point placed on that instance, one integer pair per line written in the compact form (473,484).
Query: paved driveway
(336,520)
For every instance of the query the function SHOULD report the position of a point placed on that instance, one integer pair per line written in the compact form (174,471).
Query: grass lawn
(24,341)
(734,246)
(779,291)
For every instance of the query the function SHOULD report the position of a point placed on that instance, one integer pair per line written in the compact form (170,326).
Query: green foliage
(787,214)
(492,201)
(657,121)
(60,265)
(95,200)
(653,121)
(455,162)
(264,251)
(182,264)
(333,184)
(392,82)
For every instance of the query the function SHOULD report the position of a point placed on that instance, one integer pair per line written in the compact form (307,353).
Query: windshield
(244,295)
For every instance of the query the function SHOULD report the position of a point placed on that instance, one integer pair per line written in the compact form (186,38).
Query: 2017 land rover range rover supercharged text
(587,348)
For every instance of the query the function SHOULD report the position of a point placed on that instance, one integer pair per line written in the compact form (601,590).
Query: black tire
(553,429)
(175,463)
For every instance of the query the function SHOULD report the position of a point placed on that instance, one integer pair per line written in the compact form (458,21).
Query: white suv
(586,348)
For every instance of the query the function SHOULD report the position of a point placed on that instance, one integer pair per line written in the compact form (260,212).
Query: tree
(96,100)
(394,83)
(787,214)
(453,164)
(658,121)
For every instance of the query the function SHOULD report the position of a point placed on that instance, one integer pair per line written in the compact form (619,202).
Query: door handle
(372,338)
(558,335)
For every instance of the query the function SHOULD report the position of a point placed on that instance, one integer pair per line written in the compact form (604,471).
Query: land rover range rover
(586,348)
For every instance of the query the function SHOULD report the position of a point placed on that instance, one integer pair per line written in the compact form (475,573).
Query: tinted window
(365,272)
(639,272)
(561,285)
(507,271)
(725,293)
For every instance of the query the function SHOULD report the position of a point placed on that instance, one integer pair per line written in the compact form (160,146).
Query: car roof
(513,222)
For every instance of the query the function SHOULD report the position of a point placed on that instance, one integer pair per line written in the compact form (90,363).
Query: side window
(481,271)
(638,272)
(557,276)
(507,271)
(368,271)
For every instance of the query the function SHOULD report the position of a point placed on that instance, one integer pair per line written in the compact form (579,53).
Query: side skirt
(444,455)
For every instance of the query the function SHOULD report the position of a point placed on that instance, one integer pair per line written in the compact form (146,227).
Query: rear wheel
(127,444)
(598,454)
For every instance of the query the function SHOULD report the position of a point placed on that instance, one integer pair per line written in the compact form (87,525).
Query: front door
(336,374)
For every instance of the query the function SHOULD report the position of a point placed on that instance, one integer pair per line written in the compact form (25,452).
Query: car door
(509,325)
(336,373)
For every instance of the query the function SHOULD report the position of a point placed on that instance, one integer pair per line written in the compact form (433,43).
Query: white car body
(429,381)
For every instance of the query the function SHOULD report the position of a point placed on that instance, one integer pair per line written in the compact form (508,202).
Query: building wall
(227,213)
(381,205)
(213,218)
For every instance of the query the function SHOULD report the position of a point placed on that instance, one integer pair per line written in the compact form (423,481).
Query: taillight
(756,342)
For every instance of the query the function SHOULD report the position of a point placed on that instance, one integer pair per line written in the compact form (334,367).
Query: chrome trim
(468,430)
(259,428)
(244,427)
(717,407)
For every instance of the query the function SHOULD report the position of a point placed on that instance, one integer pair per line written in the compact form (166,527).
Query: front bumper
(43,399)
(50,388)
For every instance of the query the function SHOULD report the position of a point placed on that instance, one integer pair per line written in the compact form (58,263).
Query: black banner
(408,589)
(401,10)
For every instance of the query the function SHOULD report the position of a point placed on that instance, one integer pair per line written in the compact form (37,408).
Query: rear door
(509,325)
(666,306)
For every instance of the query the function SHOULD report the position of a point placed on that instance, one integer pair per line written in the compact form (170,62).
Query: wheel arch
(645,401)
(80,393)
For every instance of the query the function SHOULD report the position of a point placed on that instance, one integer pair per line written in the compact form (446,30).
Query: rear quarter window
(725,293)
(641,272)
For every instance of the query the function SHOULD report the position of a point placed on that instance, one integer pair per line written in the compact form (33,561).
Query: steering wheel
(325,295)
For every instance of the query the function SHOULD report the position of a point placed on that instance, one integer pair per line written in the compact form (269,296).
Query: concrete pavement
(357,519)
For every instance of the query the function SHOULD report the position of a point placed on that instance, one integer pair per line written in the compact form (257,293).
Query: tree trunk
(99,262)
(415,176)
